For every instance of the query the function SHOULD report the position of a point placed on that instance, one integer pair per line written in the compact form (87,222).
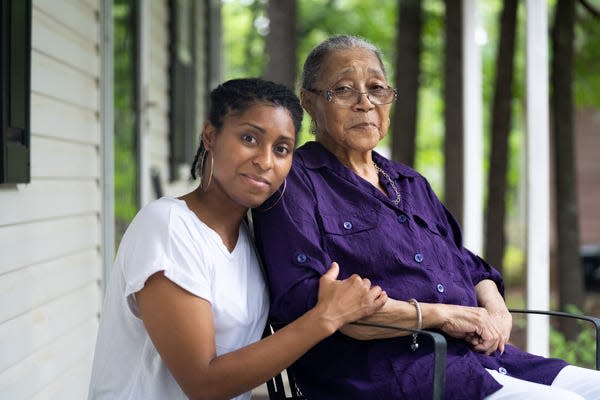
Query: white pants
(571,383)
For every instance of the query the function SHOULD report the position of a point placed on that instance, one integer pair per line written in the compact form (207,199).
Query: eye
(249,139)
(343,91)
(282,149)
(377,89)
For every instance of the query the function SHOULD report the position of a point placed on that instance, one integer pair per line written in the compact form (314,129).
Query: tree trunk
(501,123)
(571,290)
(282,42)
(408,58)
(453,110)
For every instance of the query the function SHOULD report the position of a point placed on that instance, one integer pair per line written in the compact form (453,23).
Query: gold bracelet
(414,345)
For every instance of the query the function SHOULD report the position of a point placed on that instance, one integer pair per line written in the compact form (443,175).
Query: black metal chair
(595,321)
(278,391)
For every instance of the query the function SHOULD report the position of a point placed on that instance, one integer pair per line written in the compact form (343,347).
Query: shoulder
(165,235)
(156,219)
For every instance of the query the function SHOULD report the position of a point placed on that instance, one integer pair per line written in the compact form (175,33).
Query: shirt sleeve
(161,238)
(289,242)
(478,268)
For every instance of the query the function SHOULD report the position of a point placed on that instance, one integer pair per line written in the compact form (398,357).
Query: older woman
(345,202)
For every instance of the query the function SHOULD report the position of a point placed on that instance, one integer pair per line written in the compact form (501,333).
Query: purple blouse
(412,250)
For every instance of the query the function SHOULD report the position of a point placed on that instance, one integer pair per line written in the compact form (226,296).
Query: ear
(209,134)
(307,102)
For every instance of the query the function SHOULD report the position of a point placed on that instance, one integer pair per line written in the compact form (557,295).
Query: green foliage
(244,37)
(429,158)
(125,160)
(587,59)
(578,352)
(429,154)
(513,265)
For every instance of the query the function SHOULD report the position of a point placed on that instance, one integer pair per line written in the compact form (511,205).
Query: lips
(364,125)
(257,180)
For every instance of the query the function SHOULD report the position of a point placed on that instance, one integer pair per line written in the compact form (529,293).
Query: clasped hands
(487,330)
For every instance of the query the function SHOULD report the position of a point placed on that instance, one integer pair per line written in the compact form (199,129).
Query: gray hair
(315,59)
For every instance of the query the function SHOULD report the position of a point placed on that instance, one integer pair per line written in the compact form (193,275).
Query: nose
(364,103)
(263,159)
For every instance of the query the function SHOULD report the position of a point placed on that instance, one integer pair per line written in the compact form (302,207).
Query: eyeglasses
(346,96)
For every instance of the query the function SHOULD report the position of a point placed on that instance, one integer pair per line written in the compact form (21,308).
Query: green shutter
(15,91)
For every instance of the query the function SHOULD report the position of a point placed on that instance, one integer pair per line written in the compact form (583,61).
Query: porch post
(107,132)
(473,125)
(537,174)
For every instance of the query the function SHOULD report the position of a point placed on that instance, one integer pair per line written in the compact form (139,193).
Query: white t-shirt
(167,236)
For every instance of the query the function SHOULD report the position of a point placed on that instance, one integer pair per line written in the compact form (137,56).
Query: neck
(360,162)
(218,213)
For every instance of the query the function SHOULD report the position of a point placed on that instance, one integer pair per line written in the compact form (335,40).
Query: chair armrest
(593,320)
(439,353)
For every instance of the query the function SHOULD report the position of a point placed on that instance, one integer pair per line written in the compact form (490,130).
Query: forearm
(489,297)
(396,313)
(252,365)
(338,302)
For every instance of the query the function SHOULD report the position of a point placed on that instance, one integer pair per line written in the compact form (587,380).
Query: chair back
(283,383)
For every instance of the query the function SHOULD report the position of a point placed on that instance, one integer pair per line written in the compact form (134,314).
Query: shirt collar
(314,156)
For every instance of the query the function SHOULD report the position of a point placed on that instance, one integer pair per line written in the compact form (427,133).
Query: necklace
(396,201)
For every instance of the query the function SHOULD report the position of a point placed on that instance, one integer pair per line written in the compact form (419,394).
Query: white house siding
(50,233)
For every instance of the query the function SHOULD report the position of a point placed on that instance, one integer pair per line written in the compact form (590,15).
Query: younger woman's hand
(348,300)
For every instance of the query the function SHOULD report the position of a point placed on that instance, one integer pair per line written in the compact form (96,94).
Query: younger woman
(187,302)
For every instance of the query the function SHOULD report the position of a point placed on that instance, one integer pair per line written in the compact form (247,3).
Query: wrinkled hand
(489,297)
(348,300)
(475,325)
(503,321)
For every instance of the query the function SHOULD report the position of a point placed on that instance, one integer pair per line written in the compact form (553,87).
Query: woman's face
(252,153)
(361,126)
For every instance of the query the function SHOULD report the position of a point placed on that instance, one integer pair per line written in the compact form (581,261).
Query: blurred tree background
(248,38)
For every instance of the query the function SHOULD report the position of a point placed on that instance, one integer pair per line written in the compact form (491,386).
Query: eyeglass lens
(350,96)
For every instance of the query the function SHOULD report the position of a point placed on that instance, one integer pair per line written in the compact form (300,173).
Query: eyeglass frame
(329,95)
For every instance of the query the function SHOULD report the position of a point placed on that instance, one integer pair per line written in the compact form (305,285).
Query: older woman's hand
(473,324)
(490,298)
(503,321)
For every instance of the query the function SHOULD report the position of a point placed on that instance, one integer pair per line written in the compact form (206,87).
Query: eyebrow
(258,128)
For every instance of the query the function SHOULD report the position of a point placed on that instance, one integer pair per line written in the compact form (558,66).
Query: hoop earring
(212,165)
(313,127)
(276,201)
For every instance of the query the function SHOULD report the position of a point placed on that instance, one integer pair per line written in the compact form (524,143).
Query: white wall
(50,233)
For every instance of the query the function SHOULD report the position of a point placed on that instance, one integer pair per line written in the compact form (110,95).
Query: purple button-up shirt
(412,250)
